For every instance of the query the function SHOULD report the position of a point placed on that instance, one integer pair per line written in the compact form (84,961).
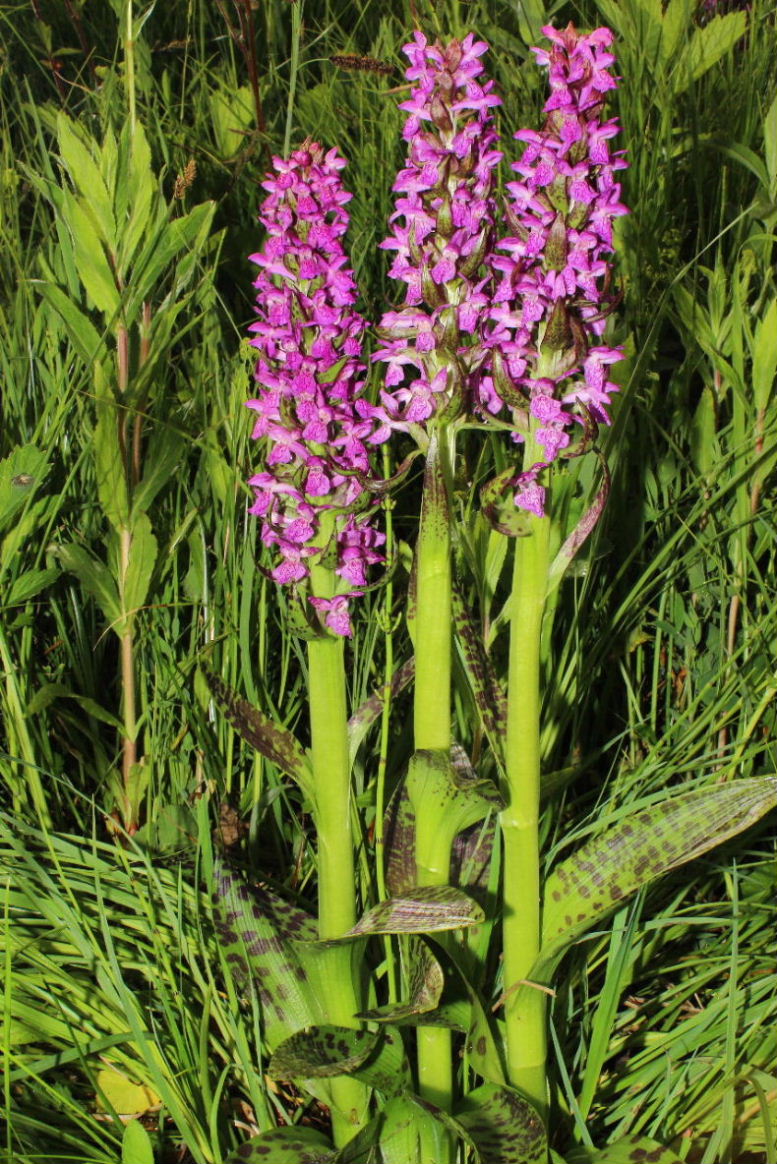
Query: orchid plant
(503,330)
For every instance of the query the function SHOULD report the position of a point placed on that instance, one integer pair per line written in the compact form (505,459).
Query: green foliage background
(661,668)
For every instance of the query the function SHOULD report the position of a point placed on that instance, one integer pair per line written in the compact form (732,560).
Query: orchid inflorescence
(486,325)
(311,407)
(549,308)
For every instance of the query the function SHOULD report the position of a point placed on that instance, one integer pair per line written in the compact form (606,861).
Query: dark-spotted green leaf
(446,797)
(489,696)
(274,742)
(400,1118)
(321,1052)
(504,1126)
(600,875)
(631,1150)
(297,1145)
(370,711)
(260,936)
(399,842)
(426,909)
(425,983)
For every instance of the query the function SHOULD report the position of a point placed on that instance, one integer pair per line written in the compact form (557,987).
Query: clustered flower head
(442,230)
(521,330)
(311,378)
(550,305)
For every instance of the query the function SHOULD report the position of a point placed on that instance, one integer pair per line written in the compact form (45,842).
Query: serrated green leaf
(162,246)
(94,270)
(706,47)
(28,585)
(136,1147)
(21,474)
(677,18)
(504,1126)
(83,335)
(80,161)
(109,466)
(136,186)
(95,577)
(163,455)
(296,1145)
(607,870)
(140,566)
(631,1150)
(269,738)
(426,909)
(765,357)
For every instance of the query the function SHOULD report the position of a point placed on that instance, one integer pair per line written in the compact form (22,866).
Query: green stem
(296,37)
(336,877)
(525,1003)
(432,726)
(129,707)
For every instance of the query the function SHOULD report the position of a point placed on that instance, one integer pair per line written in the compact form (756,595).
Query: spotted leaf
(426,909)
(631,1150)
(274,742)
(262,937)
(425,984)
(505,1128)
(296,1145)
(599,876)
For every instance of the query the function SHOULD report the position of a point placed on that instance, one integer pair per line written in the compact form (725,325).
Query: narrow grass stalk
(336,877)
(432,726)
(524,1003)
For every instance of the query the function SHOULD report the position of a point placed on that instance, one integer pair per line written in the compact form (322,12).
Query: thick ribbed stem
(336,879)
(432,728)
(524,1003)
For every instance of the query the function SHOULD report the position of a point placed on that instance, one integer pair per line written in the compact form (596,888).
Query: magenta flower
(551,300)
(442,230)
(311,378)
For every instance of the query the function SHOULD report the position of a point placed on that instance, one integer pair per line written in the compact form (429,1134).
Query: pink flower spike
(310,377)
(552,298)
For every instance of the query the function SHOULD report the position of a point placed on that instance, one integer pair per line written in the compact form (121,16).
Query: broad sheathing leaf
(326,1051)
(262,937)
(321,1052)
(631,1150)
(285,1146)
(505,1128)
(643,846)
(425,982)
(426,909)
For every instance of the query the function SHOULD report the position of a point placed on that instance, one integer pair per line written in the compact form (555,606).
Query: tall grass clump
(385,767)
